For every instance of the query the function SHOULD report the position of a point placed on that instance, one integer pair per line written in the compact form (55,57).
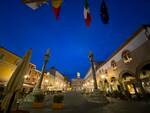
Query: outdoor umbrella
(15,82)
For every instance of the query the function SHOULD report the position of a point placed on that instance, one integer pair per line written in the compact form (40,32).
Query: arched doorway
(103,85)
(114,84)
(129,84)
(144,75)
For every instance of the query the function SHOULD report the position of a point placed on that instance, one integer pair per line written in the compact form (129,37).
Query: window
(105,71)
(147,33)
(126,56)
(17,62)
(113,79)
(33,79)
(100,71)
(114,64)
(1,56)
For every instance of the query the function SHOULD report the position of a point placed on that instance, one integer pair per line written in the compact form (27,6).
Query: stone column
(91,57)
(96,96)
(37,88)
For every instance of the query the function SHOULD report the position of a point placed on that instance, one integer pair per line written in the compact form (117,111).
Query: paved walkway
(76,103)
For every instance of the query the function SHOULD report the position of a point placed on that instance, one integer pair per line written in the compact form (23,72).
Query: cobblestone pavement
(76,103)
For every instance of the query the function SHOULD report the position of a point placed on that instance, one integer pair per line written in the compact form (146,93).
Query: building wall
(138,45)
(8,64)
(48,82)
(76,84)
(59,81)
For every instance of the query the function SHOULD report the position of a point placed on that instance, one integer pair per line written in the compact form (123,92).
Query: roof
(10,51)
(98,64)
(101,63)
(14,53)
(127,41)
(53,71)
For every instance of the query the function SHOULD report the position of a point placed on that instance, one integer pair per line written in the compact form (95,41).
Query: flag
(56,5)
(104,13)
(34,4)
(87,16)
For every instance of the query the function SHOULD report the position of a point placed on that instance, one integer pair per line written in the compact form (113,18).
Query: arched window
(106,71)
(101,71)
(147,33)
(17,62)
(113,79)
(126,56)
(114,64)
(1,56)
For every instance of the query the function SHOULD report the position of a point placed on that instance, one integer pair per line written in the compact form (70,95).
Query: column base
(31,97)
(97,97)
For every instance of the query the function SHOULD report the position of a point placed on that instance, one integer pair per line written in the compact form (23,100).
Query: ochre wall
(7,64)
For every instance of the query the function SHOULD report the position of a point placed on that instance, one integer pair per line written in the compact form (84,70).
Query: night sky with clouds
(68,38)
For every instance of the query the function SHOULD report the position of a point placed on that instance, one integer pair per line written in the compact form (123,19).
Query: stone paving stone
(75,103)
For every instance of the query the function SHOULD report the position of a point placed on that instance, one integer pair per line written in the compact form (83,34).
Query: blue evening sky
(68,38)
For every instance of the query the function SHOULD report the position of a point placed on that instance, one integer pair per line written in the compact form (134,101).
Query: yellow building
(8,64)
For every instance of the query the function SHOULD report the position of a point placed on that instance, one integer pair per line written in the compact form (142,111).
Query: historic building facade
(88,79)
(8,64)
(52,80)
(128,69)
(76,83)
(59,81)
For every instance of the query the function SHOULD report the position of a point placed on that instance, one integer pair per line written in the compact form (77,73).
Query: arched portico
(114,83)
(143,73)
(128,81)
(103,85)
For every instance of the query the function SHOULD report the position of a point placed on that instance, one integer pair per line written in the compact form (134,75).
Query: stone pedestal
(29,98)
(97,97)
(36,91)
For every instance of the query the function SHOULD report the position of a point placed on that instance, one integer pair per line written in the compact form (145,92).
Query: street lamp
(26,76)
(46,81)
(91,58)
(103,76)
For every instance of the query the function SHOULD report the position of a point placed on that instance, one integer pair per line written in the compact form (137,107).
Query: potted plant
(38,101)
(58,102)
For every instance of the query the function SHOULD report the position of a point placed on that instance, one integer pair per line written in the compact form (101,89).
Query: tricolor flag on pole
(87,15)
(56,5)
(104,13)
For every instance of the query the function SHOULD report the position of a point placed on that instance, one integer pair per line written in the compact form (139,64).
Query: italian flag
(56,5)
(87,15)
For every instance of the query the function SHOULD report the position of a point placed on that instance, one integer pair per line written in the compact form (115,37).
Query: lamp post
(91,58)
(38,85)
